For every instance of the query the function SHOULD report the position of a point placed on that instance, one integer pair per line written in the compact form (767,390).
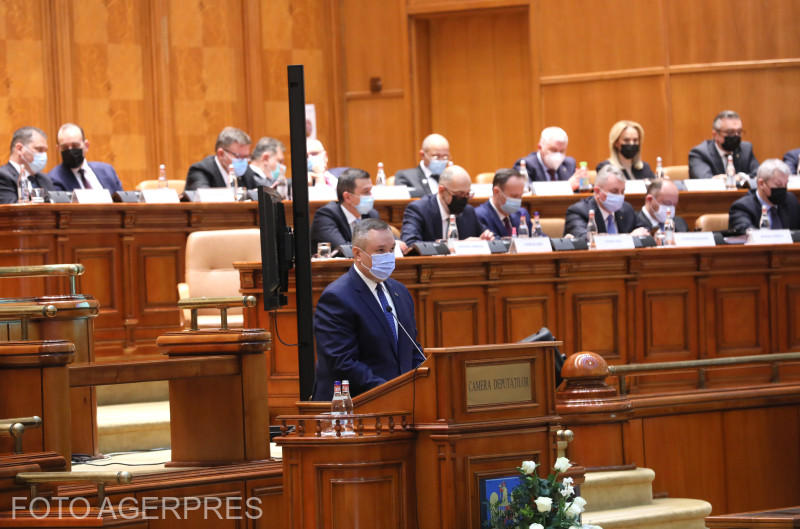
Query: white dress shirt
(432,183)
(88,174)
(349,217)
(371,285)
(223,171)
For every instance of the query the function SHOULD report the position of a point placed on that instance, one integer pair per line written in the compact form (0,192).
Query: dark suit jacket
(9,187)
(423,222)
(354,340)
(330,225)
(490,221)
(705,161)
(578,216)
(206,174)
(638,174)
(680,224)
(65,179)
(537,172)
(791,158)
(414,178)
(746,213)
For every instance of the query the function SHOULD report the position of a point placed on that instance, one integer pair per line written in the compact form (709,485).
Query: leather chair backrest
(177,185)
(677,172)
(553,227)
(712,222)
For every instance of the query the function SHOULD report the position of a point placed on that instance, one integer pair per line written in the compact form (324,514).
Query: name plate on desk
(769,237)
(704,184)
(163,195)
(321,194)
(531,245)
(694,239)
(214,194)
(620,241)
(635,187)
(498,383)
(390,192)
(794,183)
(467,247)
(481,190)
(91,196)
(552,189)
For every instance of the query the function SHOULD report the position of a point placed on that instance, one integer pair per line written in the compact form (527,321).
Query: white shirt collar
(257,170)
(19,167)
(722,154)
(431,182)
(348,216)
(88,174)
(222,171)
(369,282)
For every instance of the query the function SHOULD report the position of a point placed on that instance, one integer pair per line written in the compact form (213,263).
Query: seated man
(231,150)
(427,219)
(611,213)
(364,321)
(550,162)
(791,160)
(423,180)
(318,173)
(783,207)
(74,172)
(662,196)
(334,222)
(503,211)
(266,162)
(710,158)
(27,159)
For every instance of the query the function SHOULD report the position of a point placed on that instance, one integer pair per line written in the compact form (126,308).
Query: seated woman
(624,143)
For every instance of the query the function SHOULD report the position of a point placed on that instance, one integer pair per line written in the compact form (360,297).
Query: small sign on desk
(552,189)
(531,245)
(161,195)
(91,196)
(619,241)
(694,239)
(390,192)
(498,383)
(635,187)
(470,247)
(704,184)
(321,194)
(769,237)
(215,194)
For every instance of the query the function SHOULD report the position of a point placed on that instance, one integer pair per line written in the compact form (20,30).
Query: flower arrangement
(538,503)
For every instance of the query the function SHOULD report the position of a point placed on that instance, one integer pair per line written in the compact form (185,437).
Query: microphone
(413,342)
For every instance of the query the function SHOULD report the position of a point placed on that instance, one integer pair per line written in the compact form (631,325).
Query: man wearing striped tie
(364,321)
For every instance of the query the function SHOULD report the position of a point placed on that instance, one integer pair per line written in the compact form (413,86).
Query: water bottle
(337,406)
(591,230)
(730,172)
(537,226)
(583,177)
(659,237)
(348,406)
(660,168)
(523,171)
(669,230)
(234,182)
(24,195)
(452,230)
(522,231)
(380,176)
(162,176)
(764,223)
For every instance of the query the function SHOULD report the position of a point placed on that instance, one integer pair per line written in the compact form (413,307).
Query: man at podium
(364,321)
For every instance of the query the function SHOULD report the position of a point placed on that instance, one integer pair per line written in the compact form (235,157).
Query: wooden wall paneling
(598,445)
(668,317)
(251,35)
(524,315)
(157,65)
(230,493)
(595,318)
(272,501)
(694,440)
(732,310)
(418,7)
(420,74)
(775,427)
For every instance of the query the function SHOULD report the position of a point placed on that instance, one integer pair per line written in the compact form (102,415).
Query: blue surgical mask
(511,206)
(382,265)
(276,173)
(365,206)
(437,166)
(613,202)
(314,159)
(38,162)
(239,166)
(661,214)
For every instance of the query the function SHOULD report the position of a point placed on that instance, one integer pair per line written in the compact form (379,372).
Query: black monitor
(277,249)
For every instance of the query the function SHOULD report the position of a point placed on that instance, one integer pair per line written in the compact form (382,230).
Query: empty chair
(484,178)
(712,222)
(177,185)
(553,227)
(677,172)
(210,273)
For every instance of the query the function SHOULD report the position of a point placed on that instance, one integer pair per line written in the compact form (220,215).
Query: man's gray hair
(725,114)
(769,167)
(24,136)
(605,173)
(553,134)
(363,227)
(231,135)
(266,144)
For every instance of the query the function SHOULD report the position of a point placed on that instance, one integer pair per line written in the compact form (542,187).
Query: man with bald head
(423,180)
(427,219)
(74,172)
(662,198)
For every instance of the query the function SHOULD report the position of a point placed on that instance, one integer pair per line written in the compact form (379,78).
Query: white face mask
(661,214)
(553,160)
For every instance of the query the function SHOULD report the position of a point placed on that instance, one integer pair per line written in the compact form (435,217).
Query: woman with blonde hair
(624,143)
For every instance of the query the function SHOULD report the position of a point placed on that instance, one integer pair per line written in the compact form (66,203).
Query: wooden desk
(788,518)
(648,305)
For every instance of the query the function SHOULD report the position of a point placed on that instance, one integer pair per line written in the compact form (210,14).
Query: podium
(425,443)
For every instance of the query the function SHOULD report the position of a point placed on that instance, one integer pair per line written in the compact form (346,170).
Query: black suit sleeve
(575,221)
(8,190)
(413,225)
(404,178)
(196,179)
(325,229)
(698,166)
(740,217)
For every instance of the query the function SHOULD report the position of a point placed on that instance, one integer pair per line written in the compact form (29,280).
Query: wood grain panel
(524,316)
(456,322)
(162,270)
(596,324)
(668,324)
(102,276)
(342,490)
(738,328)
(588,110)
(792,316)
(478,86)
(368,142)
(578,36)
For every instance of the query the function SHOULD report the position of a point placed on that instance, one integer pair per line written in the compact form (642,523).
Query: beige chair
(177,185)
(210,272)
(712,222)
(591,174)
(390,180)
(677,172)
(552,227)
(484,178)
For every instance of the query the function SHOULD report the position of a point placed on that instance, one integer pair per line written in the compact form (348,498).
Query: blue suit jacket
(422,221)
(791,158)
(537,172)
(354,340)
(490,221)
(330,225)
(65,179)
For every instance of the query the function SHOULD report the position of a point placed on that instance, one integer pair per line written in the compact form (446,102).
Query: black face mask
(72,158)
(629,150)
(777,195)
(457,204)
(731,143)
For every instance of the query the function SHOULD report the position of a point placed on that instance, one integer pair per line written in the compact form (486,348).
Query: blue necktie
(775,220)
(610,226)
(385,307)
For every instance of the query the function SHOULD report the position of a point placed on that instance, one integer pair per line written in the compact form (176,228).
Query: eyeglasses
(467,194)
(439,157)
(236,156)
(728,133)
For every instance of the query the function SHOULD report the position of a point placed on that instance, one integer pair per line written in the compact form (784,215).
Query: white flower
(579,501)
(576,507)
(528,467)
(566,487)
(543,503)
(535,526)
(562,464)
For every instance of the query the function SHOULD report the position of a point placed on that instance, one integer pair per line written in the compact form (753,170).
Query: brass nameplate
(499,383)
